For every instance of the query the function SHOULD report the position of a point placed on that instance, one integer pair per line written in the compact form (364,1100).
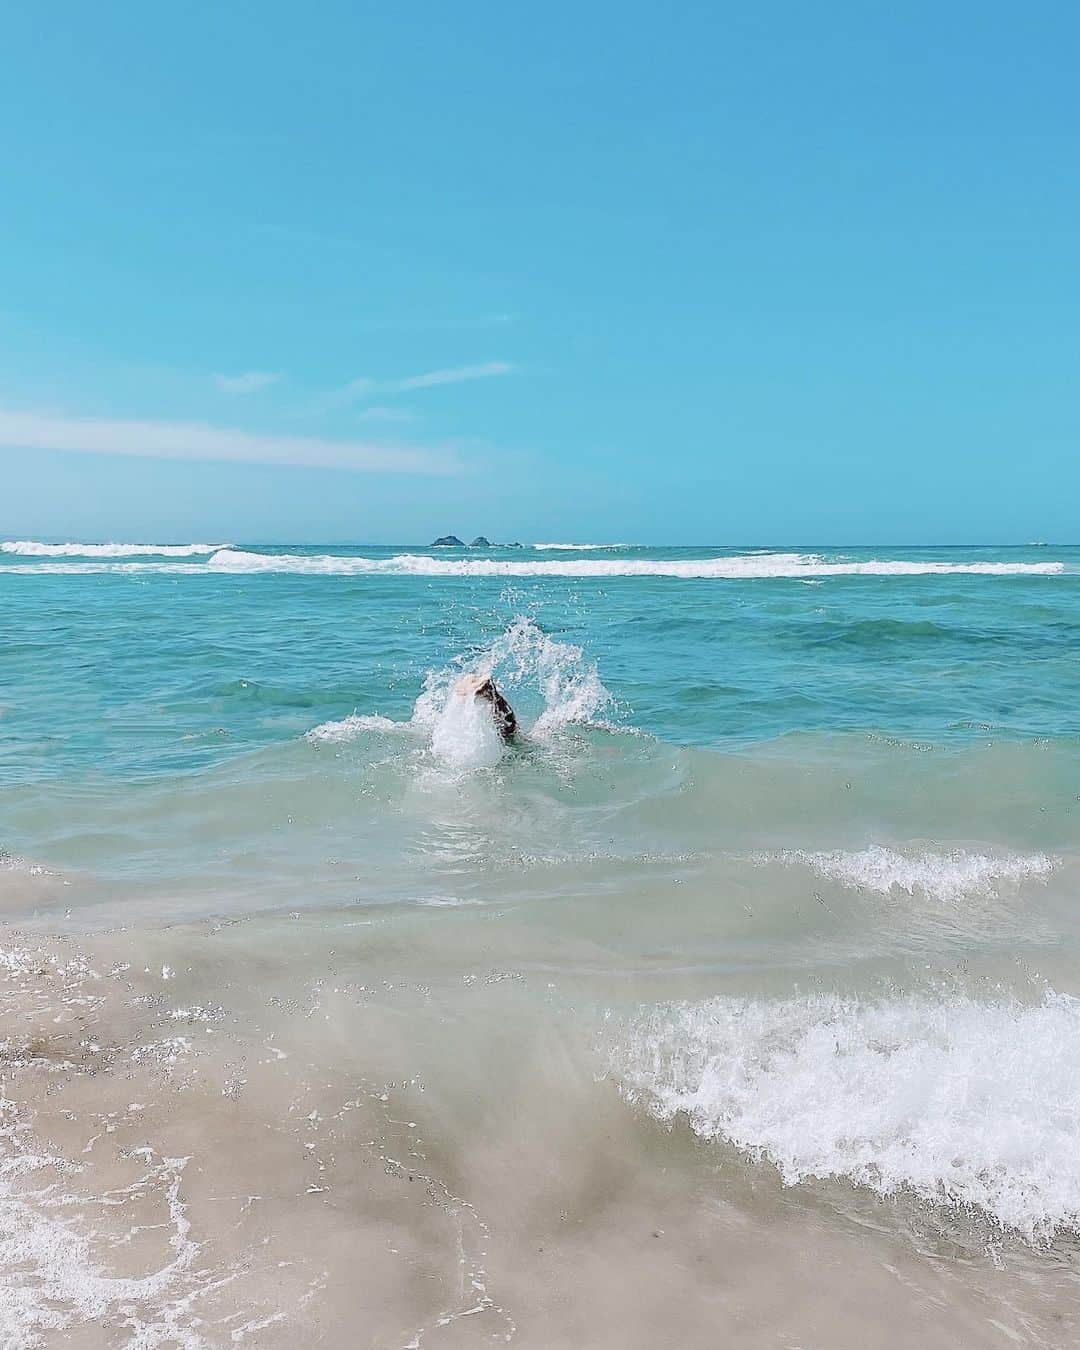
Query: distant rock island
(452,541)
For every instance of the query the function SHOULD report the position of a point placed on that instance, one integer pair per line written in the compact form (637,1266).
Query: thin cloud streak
(200,441)
(455,376)
(250,382)
(362,388)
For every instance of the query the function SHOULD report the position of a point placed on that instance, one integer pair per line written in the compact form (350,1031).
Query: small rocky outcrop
(480,542)
(447,541)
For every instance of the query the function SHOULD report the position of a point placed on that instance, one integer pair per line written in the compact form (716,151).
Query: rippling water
(737,1003)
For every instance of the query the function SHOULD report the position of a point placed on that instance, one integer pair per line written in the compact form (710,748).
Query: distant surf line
(65,558)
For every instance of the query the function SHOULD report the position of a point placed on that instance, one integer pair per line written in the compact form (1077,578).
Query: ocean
(736,1004)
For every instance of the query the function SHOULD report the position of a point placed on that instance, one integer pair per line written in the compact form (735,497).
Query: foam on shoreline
(969,1104)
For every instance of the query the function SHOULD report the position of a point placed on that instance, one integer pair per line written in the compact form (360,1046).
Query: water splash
(465,736)
(551,684)
(568,684)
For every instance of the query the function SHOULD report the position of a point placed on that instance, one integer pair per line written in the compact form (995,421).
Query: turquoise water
(111,671)
(763,937)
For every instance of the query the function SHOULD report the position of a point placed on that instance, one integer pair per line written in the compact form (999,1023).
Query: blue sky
(702,273)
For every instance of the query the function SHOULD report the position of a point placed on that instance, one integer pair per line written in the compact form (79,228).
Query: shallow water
(736,1004)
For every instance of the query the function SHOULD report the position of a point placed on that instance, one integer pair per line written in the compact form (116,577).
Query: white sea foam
(356,724)
(959,1102)
(31,548)
(61,1286)
(12,862)
(733,568)
(445,902)
(581,548)
(736,567)
(945,875)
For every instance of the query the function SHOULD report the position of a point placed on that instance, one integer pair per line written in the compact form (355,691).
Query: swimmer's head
(483,686)
(475,686)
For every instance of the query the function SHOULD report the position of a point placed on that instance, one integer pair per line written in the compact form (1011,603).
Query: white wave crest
(952,874)
(959,1102)
(231,561)
(348,728)
(30,548)
(582,548)
(734,568)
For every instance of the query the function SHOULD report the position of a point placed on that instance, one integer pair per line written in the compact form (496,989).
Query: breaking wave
(958,1102)
(356,724)
(582,548)
(738,567)
(948,875)
(809,567)
(30,548)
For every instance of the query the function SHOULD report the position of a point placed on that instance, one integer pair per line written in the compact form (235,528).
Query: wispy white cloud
(454,376)
(30,430)
(250,382)
(357,390)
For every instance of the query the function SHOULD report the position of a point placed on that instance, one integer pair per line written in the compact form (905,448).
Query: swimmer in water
(483,686)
